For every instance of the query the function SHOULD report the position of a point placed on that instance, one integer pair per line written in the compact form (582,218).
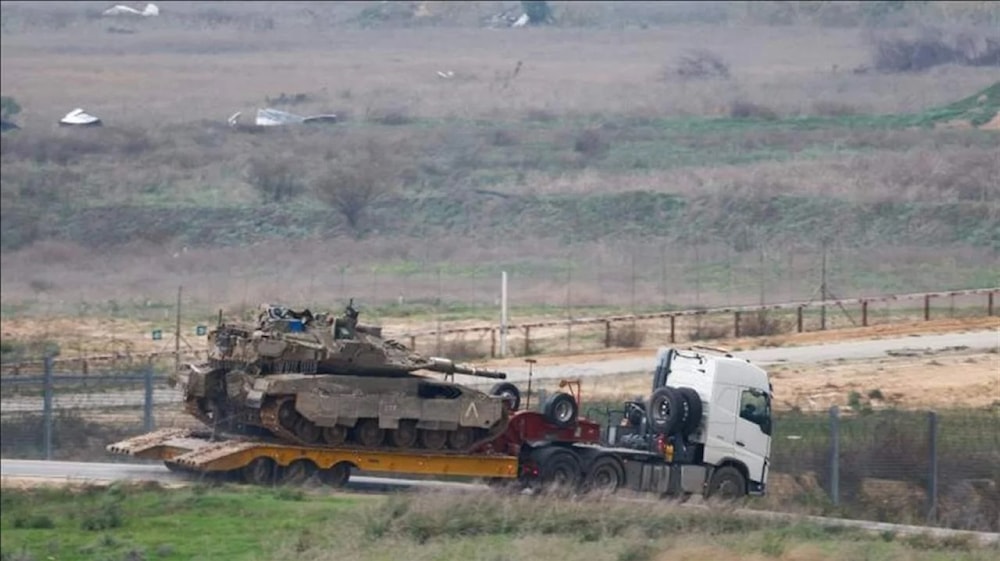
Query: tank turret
(317,379)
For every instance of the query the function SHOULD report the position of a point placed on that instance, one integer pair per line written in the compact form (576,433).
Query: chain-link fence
(893,465)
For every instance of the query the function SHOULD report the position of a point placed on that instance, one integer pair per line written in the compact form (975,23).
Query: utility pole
(822,289)
(177,333)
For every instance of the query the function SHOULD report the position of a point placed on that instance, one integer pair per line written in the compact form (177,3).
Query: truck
(705,428)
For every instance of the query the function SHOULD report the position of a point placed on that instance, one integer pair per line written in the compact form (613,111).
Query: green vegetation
(146,522)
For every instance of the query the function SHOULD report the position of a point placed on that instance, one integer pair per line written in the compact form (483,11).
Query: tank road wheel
(433,439)
(727,484)
(368,433)
(461,438)
(335,435)
(307,431)
(337,475)
(287,415)
(298,472)
(261,471)
(405,436)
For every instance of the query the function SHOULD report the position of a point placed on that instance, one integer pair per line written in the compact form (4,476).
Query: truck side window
(755,406)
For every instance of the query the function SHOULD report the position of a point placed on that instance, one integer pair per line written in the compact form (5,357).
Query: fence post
(864,313)
(835,455)
(932,479)
(47,406)
(493,343)
(989,304)
(147,413)
(927,307)
(607,334)
(527,340)
(798,318)
(672,318)
(736,324)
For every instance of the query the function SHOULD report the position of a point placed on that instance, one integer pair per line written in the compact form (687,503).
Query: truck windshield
(755,406)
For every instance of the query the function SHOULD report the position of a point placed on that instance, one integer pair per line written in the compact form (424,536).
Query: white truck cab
(710,414)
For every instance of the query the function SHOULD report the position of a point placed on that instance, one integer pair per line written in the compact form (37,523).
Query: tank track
(270,420)
(269,417)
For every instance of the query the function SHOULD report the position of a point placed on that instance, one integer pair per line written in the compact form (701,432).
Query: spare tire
(560,409)
(693,404)
(509,393)
(665,411)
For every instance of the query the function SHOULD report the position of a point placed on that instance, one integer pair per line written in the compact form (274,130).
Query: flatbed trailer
(261,462)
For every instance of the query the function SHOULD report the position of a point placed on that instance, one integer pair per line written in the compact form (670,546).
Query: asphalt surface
(849,350)
(84,472)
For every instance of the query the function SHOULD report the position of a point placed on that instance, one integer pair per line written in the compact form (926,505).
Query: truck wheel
(261,471)
(665,411)
(694,410)
(560,409)
(298,472)
(606,475)
(558,470)
(509,393)
(337,475)
(727,483)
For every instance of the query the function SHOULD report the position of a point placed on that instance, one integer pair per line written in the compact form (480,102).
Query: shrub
(932,48)
(747,110)
(276,179)
(629,337)
(106,517)
(700,64)
(353,185)
(761,323)
(590,143)
(393,116)
(34,521)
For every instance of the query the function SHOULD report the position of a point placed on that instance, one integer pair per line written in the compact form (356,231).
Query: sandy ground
(955,378)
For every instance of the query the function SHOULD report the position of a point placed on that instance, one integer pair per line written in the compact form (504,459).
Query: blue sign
(200,330)
(157,334)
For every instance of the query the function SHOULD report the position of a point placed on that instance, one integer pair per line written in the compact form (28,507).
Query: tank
(321,380)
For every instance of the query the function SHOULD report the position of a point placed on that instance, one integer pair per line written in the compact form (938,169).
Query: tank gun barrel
(446,366)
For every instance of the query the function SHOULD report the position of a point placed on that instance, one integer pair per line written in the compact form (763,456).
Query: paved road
(851,350)
(93,472)
(804,354)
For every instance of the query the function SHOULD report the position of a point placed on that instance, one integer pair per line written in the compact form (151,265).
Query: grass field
(573,156)
(150,523)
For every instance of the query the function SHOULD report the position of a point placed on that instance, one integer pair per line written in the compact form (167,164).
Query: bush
(629,337)
(276,179)
(761,323)
(106,517)
(933,48)
(748,110)
(35,522)
(352,185)
(590,143)
(700,64)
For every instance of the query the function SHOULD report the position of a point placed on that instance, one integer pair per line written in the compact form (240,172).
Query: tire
(560,409)
(665,411)
(337,475)
(307,431)
(433,439)
(510,394)
(694,410)
(635,414)
(461,438)
(727,484)
(558,470)
(335,435)
(606,474)
(261,471)
(298,472)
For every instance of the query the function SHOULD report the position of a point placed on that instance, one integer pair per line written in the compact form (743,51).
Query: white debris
(275,117)
(326,118)
(234,118)
(122,10)
(446,74)
(521,21)
(78,117)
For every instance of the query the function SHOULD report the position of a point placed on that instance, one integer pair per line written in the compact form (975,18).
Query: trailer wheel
(558,470)
(560,409)
(665,411)
(337,475)
(261,471)
(606,475)
(298,472)
(694,410)
(509,393)
(727,483)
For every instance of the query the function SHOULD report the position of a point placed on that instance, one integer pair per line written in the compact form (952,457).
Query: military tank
(321,380)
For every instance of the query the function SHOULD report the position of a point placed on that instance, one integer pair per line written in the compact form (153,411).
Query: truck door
(721,428)
(753,431)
